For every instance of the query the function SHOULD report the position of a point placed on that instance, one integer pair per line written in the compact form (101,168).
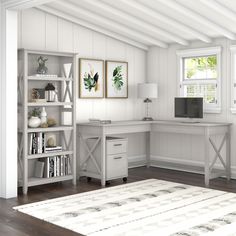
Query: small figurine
(43,116)
(50,92)
(42,69)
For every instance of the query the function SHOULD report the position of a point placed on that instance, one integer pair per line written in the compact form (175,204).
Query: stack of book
(54,166)
(53,149)
(37,143)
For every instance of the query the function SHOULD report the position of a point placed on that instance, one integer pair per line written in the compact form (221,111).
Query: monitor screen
(189,107)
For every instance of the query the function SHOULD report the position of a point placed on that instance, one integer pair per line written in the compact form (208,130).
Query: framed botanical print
(116,79)
(91,78)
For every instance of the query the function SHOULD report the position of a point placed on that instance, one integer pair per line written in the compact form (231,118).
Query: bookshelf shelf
(49,154)
(49,104)
(62,161)
(33,181)
(50,129)
(38,78)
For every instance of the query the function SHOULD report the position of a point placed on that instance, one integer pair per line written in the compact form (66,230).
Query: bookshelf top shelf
(49,104)
(43,78)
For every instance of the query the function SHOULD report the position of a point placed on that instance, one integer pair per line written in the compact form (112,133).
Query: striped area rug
(150,207)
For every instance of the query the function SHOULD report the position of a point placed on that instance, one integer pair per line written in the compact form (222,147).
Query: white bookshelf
(63,111)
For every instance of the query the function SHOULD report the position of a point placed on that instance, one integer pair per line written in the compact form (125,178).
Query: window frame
(200,52)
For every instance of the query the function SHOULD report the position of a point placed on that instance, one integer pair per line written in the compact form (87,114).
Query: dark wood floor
(13,223)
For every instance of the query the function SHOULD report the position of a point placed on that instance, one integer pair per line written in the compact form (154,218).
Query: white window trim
(197,52)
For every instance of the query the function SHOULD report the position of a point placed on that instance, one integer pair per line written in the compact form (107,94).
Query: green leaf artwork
(91,80)
(118,78)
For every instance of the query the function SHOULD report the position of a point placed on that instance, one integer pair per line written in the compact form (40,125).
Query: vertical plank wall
(185,151)
(41,31)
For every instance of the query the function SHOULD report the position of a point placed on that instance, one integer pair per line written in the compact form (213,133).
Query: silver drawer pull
(116,158)
(117,144)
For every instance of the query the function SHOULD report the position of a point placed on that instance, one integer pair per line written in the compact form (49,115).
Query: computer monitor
(189,107)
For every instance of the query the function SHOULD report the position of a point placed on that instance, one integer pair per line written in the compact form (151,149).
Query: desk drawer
(116,166)
(116,146)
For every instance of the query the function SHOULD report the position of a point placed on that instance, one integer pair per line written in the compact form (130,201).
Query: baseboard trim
(173,164)
(184,165)
(136,161)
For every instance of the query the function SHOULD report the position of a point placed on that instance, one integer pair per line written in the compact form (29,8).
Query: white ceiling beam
(133,22)
(23,4)
(218,7)
(93,27)
(100,20)
(197,17)
(144,9)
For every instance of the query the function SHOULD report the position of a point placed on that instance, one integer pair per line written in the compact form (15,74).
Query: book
(30,143)
(39,169)
(43,143)
(66,165)
(46,167)
(53,149)
(51,166)
(62,165)
(34,144)
(55,166)
(58,165)
(38,143)
(69,166)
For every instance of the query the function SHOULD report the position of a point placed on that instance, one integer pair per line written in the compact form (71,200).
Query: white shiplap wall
(41,31)
(176,151)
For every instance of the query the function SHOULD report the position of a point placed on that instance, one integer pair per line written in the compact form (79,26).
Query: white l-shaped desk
(206,130)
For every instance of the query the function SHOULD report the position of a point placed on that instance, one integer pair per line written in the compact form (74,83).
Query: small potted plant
(34,121)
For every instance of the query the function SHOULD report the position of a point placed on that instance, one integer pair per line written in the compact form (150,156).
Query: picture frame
(91,78)
(38,95)
(116,79)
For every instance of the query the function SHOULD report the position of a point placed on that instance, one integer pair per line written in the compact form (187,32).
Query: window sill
(215,110)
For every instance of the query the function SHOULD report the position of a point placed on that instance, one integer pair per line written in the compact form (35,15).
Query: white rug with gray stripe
(150,207)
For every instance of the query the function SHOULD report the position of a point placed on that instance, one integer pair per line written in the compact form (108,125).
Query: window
(200,76)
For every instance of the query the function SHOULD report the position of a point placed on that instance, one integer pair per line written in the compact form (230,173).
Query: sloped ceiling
(145,23)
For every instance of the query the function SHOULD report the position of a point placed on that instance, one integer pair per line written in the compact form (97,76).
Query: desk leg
(207,157)
(148,146)
(103,160)
(228,156)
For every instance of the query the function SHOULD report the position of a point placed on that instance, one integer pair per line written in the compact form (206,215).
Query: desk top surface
(160,122)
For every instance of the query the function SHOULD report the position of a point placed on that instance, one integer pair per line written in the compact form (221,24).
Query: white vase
(43,116)
(34,122)
(67,69)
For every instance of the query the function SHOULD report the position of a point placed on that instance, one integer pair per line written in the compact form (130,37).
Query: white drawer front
(115,147)
(117,166)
